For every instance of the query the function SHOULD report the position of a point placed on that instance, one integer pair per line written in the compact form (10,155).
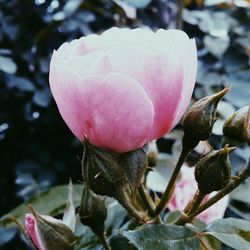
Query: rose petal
(187,53)
(114,112)
(158,74)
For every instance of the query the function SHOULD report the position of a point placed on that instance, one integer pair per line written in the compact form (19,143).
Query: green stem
(179,14)
(105,243)
(187,145)
(190,204)
(147,201)
(190,208)
(127,204)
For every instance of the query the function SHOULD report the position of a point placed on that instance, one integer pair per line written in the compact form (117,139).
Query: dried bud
(107,173)
(93,211)
(48,233)
(213,171)
(199,119)
(237,127)
(152,153)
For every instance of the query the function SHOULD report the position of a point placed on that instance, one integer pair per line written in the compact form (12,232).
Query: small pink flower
(185,190)
(125,87)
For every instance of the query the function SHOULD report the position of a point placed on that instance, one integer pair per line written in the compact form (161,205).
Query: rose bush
(185,190)
(124,88)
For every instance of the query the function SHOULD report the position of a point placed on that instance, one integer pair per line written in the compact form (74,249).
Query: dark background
(37,150)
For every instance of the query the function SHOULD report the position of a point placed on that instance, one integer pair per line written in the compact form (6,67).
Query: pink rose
(185,190)
(125,87)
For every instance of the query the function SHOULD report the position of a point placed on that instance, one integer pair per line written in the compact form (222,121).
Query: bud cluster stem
(191,208)
(187,145)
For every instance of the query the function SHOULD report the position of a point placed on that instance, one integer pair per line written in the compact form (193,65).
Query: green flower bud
(199,119)
(213,172)
(237,127)
(93,211)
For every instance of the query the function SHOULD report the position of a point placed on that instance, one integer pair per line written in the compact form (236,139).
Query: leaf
(232,232)
(7,65)
(216,45)
(50,202)
(162,237)
(170,217)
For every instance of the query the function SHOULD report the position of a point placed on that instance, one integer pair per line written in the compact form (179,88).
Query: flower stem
(187,145)
(147,200)
(190,208)
(179,14)
(104,242)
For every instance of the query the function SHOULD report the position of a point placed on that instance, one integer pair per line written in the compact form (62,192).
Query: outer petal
(114,112)
(185,52)
(160,74)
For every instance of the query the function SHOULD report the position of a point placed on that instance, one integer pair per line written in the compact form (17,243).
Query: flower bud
(237,127)
(213,171)
(93,211)
(47,233)
(199,119)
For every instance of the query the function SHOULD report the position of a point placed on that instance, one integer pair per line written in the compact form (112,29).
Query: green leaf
(50,202)
(162,237)
(170,217)
(232,232)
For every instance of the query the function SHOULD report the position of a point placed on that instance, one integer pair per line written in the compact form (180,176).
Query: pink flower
(185,190)
(125,87)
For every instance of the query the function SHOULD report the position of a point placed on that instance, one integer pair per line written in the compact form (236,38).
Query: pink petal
(187,53)
(114,111)
(30,225)
(159,74)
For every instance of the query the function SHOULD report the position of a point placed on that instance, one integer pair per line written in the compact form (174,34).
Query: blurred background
(37,150)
